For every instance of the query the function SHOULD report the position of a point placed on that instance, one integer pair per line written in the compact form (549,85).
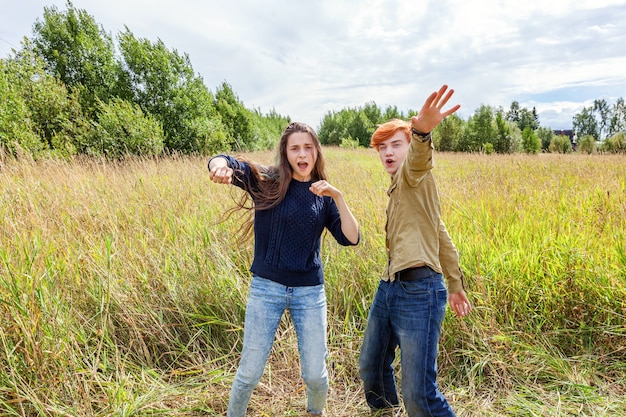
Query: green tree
(618,117)
(268,128)
(546,136)
(516,138)
(79,52)
(51,114)
(356,124)
(522,117)
(331,129)
(530,141)
(360,127)
(391,112)
(504,141)
(601,111)
(513,115)
(16,127)
(372,113)
(480,130)
(235,118)
(164,85)
(53,111)
(528,118)
(448,135)
(585,124)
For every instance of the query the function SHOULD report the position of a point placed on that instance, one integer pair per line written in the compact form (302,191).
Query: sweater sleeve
(242,175)
(333,224)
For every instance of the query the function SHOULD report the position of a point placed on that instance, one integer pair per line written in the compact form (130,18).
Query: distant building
(568,133)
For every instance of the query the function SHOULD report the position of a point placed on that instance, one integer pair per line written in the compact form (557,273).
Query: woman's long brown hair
(273,181)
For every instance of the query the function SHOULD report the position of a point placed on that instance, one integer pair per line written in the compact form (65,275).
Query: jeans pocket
(415,288)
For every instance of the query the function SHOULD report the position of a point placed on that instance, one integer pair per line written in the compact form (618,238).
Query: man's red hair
(388,129)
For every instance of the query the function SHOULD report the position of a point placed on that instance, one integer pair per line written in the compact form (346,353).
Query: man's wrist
(421,136)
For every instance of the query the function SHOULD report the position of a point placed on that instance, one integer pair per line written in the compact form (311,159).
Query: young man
(410,302)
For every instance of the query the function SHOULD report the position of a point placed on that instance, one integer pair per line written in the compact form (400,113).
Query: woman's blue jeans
(267,301)
(407,315)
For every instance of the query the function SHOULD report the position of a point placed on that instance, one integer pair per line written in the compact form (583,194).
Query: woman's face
(302,155)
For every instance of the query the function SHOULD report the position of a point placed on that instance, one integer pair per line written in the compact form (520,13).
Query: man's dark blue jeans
(408,315)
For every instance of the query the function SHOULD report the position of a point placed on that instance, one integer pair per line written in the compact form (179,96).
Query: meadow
(123,288)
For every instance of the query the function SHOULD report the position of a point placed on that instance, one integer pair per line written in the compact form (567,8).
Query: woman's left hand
(323,188)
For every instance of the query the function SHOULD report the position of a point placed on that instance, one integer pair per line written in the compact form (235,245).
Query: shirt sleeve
(449,258)
(418,162)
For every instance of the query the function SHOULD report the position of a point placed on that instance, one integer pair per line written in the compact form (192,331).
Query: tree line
(490,129)
(71,89)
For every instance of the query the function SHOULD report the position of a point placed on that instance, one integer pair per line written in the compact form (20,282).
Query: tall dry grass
(122,292)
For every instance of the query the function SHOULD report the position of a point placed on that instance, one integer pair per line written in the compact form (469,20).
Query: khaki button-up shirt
(416,235)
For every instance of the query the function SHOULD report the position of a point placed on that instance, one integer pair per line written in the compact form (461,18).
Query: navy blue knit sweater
(287,237)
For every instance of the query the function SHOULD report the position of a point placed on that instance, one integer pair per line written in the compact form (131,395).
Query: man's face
(393,151)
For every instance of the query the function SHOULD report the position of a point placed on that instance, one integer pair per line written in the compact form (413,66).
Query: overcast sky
(306,58)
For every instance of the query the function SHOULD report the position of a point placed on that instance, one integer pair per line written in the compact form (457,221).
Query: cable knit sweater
(287,237)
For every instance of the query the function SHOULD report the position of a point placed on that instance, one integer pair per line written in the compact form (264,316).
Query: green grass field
(122,293)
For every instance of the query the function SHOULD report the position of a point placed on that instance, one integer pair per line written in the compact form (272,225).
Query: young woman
(293,204)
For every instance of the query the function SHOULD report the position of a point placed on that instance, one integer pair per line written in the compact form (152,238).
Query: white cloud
(307,58)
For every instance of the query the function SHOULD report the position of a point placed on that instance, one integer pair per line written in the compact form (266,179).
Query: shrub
(560,144)
(208,136)
(123,129)
(587,144)
(615,144)
(17,132)
(487,148)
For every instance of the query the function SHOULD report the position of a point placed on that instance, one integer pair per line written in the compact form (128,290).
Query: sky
(305,59)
